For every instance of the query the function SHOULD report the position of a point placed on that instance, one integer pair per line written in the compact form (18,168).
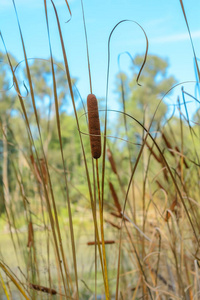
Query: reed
(115,198)
(95,144)
(30,235)
(43,289)
(168,144)
(111,160)
(69,213)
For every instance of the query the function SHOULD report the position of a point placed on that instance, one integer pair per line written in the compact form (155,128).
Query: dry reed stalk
(115,214)
(184,161)
(14,279)
(160,186)
(169,146)
(105,271)
(30,235)
(161,278)
(159,159)
(177,149)
(94,126)
(111,160)
(165,172)
(115,198)
(172,208)
(108,242)
(179,169)
(113,224)
(36,170)
(4,287)
(44,170)
(118,216)
(43,289)
(186,259)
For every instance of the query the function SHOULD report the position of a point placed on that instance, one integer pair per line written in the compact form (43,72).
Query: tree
(155,83)
(7,108)
(141,103)
(15,145)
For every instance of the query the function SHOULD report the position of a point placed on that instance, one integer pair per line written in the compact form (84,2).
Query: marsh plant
(97,202)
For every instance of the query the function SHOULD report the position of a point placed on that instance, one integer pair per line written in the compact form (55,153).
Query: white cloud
(176,37)
(154,23)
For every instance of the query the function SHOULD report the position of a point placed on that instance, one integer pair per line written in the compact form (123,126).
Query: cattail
(43,289)
(30,235)
(111,160)
(114,195)
(165,171)
(184,161)
(105,242)
(159,159)
(36,170)
(118,216)
(113,224)
(94,126)
(163,279)
(160,186)
(169,146)
(177,149)
(44,170)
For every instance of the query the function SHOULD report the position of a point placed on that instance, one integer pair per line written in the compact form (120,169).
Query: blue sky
(163,22)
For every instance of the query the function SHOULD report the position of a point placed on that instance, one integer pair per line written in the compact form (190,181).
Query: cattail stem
(95,143)
(102,236)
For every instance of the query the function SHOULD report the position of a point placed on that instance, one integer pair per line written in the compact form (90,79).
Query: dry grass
(144,228)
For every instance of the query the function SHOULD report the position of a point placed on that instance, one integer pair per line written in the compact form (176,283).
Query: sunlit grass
(76,224)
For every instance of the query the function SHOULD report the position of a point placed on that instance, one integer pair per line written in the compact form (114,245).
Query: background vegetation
(61,210)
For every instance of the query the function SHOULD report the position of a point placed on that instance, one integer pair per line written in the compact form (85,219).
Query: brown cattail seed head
(111,160)
(30,235)
(94,126)
(114,195)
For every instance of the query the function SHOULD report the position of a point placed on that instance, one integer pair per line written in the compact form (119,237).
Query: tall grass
(133,230)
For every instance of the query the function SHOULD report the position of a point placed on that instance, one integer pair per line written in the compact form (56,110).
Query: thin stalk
(102,235)
(86,40)
(4,287)
(16,283)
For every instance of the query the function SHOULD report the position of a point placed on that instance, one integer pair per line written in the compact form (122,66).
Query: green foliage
(36,193)
(144,99)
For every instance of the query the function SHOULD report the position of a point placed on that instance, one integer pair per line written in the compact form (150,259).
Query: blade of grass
(4,287)
(7,272)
